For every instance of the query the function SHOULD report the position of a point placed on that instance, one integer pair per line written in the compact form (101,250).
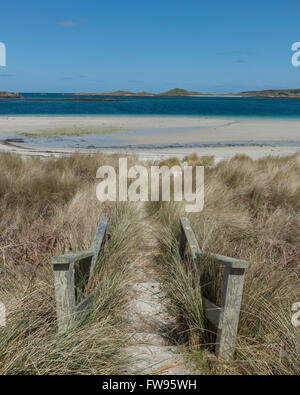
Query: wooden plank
(82,308)
(64,279)
(69,258)
(190,238)
(64,294)
(99,241)
(231,303)
(226,317)
(196,251)
(212,312)
(230,262)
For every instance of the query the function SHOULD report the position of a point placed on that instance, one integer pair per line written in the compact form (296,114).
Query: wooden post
(226,317)
(99,240)
(232,292)
(70,286)
(187,237)
(64,282)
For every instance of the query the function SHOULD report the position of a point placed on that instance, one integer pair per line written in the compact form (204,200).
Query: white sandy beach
(211,130)
(21,124)
(218,128)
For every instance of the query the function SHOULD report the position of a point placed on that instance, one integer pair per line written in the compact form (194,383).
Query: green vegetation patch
(72,131)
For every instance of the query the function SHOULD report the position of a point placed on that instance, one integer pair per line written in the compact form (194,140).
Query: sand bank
(24,124)
(211,130)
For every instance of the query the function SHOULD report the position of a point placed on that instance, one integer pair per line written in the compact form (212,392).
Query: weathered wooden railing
(72,272)
(225,318)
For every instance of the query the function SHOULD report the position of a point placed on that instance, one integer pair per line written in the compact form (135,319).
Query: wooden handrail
(226,317)
(99,240)
(188,237)
(69,258)
(65,268)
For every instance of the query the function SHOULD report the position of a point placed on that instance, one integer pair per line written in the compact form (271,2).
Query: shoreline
(152,131)
(156,130)
(153,155)
(23,123)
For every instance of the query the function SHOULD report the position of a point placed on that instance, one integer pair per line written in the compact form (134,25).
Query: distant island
(177,92)
(8,95)
(171,93)
(277,93)
(73,99)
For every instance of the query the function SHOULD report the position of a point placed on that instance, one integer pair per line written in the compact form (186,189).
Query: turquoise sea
(49,104)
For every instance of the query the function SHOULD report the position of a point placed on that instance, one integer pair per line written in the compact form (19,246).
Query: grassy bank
(252,212)
(49,207)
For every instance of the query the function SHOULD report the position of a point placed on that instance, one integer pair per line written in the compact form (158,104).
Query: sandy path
(150,351)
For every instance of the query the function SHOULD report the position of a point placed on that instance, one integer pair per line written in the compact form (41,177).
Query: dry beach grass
(251,211)
(48,208)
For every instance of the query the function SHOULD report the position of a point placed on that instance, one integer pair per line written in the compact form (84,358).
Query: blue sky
(153,45)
